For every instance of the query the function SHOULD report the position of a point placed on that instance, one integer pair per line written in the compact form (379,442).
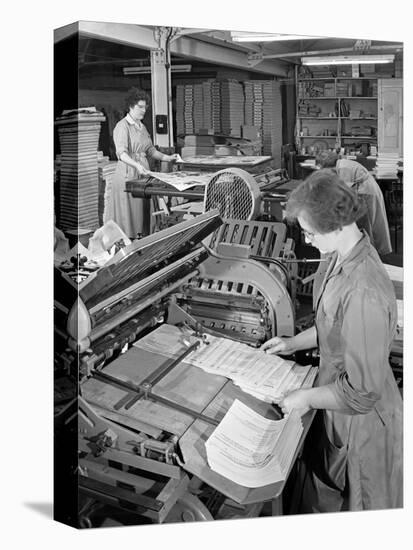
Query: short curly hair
(325,201)
(327,159)
(133,97)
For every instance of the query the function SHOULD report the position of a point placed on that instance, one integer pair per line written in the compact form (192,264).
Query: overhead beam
(64,32)
(221,55)
(122,33)
(144,38)
(331,50)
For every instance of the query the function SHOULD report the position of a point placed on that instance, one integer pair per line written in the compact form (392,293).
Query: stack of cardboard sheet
(185,109)
(79,178)
(272,120)
(198,107)
(180,101)
(232,107)
(216,106)
(263,109)
(189,108)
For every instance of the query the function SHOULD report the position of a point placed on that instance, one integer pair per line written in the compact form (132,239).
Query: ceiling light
(347,59)
(267,37)
(147,69)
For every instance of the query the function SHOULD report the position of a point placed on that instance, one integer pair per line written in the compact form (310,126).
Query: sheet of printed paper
(167,340)
(241,363)
(298,377)
(251,450)
(182,180)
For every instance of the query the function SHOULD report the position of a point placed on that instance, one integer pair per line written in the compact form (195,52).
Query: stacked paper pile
(216,106)
(387,165)
(207,104)
(251,450)
(180,105)
(253,107)
(189,109)
(185,109)
(198,107)
(272,120)
(265,376)
(79,177)
(263,109)
(232,107)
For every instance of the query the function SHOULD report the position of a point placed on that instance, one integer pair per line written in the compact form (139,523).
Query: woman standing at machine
(353,453)
(133,147)
(358,177)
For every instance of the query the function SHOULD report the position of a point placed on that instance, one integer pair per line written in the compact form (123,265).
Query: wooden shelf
(335,118)
(359,137)
(319,137)
(339,97)
(319,97)
(358,118)
(357,97)
(338,78)
(335,103)
(340,137)
(319,117)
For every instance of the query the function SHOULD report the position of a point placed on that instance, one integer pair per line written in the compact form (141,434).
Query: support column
(162,91)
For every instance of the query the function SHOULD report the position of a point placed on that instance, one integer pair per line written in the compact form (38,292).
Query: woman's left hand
(297,399)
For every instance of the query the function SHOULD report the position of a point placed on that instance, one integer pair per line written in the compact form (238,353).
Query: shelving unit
(336,112)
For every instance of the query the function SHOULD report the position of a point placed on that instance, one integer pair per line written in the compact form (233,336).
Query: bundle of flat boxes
(232,107)
(79,177)
(226,106)
(263,110)
(198,107)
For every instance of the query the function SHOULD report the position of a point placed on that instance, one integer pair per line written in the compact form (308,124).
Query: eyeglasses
(307,234)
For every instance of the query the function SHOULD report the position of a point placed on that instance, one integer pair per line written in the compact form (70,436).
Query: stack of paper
(232,107)
(198,107)
(216,106)
(387,165)
(79,179)
(265,376)
(263,109)
(180,104)
(297,377)
(252,450)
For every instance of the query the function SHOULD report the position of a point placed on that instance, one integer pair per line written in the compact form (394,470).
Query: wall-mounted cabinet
(336,112)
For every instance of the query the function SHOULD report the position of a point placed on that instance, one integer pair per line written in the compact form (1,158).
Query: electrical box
(161,122)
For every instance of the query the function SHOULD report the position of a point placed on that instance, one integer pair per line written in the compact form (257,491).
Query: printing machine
(141,418)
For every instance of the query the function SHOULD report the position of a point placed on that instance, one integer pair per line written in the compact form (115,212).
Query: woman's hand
(142,171)
(172,158)
(297,399)
(285,346)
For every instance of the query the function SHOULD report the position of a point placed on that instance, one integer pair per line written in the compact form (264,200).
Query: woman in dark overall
(353,452)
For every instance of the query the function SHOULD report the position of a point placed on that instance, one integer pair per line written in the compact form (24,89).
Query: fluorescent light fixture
(147,70)
(267,37)
(347,59)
